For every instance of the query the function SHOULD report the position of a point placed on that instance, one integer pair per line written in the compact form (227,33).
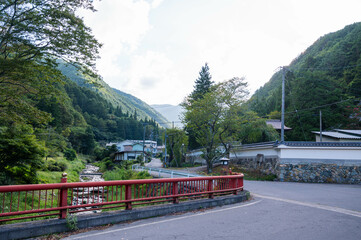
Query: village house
(339,135)
(131,149)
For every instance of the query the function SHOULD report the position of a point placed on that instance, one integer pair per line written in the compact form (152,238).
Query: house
(277,124)
(131,149)
(339,135)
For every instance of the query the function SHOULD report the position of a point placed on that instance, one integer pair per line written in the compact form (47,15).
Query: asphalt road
(277,211)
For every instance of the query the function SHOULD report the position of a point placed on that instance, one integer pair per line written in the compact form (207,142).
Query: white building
(131,149)
(339,135)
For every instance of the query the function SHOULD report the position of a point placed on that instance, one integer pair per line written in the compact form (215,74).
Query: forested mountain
(128,103)
(326,77)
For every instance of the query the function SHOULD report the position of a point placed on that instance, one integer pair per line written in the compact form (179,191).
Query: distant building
(339,135)
(131,149)
(277,124)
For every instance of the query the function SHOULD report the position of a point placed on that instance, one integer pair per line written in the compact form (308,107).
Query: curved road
(277,211)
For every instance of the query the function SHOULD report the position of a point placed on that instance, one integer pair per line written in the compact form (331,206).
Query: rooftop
(276,124)
(340,135)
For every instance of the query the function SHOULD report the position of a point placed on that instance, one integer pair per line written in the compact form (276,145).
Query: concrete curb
(44,227)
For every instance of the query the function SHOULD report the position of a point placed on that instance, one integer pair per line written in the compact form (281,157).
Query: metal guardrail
(172,173)
(43,200)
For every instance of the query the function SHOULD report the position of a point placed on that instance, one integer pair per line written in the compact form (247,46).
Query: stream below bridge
(88,195)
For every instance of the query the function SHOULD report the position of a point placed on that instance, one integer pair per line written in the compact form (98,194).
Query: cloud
(120,26)
(154,49)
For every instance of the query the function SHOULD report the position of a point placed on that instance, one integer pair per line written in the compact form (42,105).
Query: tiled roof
(301,144)
(322,144)
(338,135)
(276,124)
(352,132)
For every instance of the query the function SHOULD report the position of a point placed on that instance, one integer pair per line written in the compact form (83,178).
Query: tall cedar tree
(202,85)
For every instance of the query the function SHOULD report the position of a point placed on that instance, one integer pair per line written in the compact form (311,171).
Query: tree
(203,83)
(254,129)
(214,118)
(20,154)
(177,142)
(34,34)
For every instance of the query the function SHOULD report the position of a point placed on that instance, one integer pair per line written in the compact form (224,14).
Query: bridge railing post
(175,192)
(234,184)
(240,182)
(128,196)
(63,197)
(210,188)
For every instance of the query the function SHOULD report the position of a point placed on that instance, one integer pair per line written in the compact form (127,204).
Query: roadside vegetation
(248,175)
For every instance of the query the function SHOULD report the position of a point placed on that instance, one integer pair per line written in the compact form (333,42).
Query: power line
(325,105)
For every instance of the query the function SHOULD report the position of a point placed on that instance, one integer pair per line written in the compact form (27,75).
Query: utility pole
(144,124)
(283,106)
(320,126)
(165,149)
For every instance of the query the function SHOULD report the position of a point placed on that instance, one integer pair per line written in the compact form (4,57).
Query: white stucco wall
(242,153)
(331,153)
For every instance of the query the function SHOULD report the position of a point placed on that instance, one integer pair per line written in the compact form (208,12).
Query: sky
(154,49)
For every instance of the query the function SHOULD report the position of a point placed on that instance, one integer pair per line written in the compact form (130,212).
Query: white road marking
(164,221)
(313,205)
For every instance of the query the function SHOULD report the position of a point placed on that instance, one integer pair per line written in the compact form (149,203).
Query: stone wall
(320,173)
(266,165)
(310,172)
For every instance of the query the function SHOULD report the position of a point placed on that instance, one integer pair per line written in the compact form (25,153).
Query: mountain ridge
(326,73)
(127,102)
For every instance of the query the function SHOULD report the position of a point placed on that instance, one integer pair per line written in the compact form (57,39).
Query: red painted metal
(40,200)
(63,198)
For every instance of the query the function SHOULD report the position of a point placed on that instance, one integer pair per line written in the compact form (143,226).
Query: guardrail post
(175,192)
(240,182)
(128,196)
(234,184)
(210,188)
(63,196)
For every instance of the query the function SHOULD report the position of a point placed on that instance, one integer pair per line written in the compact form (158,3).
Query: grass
(248,175)
(73,169)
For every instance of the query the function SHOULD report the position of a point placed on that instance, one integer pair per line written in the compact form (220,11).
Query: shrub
(54,166)
(70,154)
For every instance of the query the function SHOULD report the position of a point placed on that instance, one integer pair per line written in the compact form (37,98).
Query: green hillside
(126,102)
(326,77)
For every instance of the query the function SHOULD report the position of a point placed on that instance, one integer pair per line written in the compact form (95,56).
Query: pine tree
(203,83)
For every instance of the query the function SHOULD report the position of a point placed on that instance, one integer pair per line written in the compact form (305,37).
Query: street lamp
(225,163)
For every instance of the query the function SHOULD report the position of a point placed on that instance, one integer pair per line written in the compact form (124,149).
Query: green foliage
(125,105)
(72,222)
(203,84)
(72,168)
(21,154)
(34,34)
(254,129)
(101,153)
(215,118)
(321,78)
(54,166)
(177,142)
(70,154)
(124,174)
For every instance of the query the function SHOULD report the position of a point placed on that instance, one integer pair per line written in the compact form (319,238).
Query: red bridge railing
(46,200)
